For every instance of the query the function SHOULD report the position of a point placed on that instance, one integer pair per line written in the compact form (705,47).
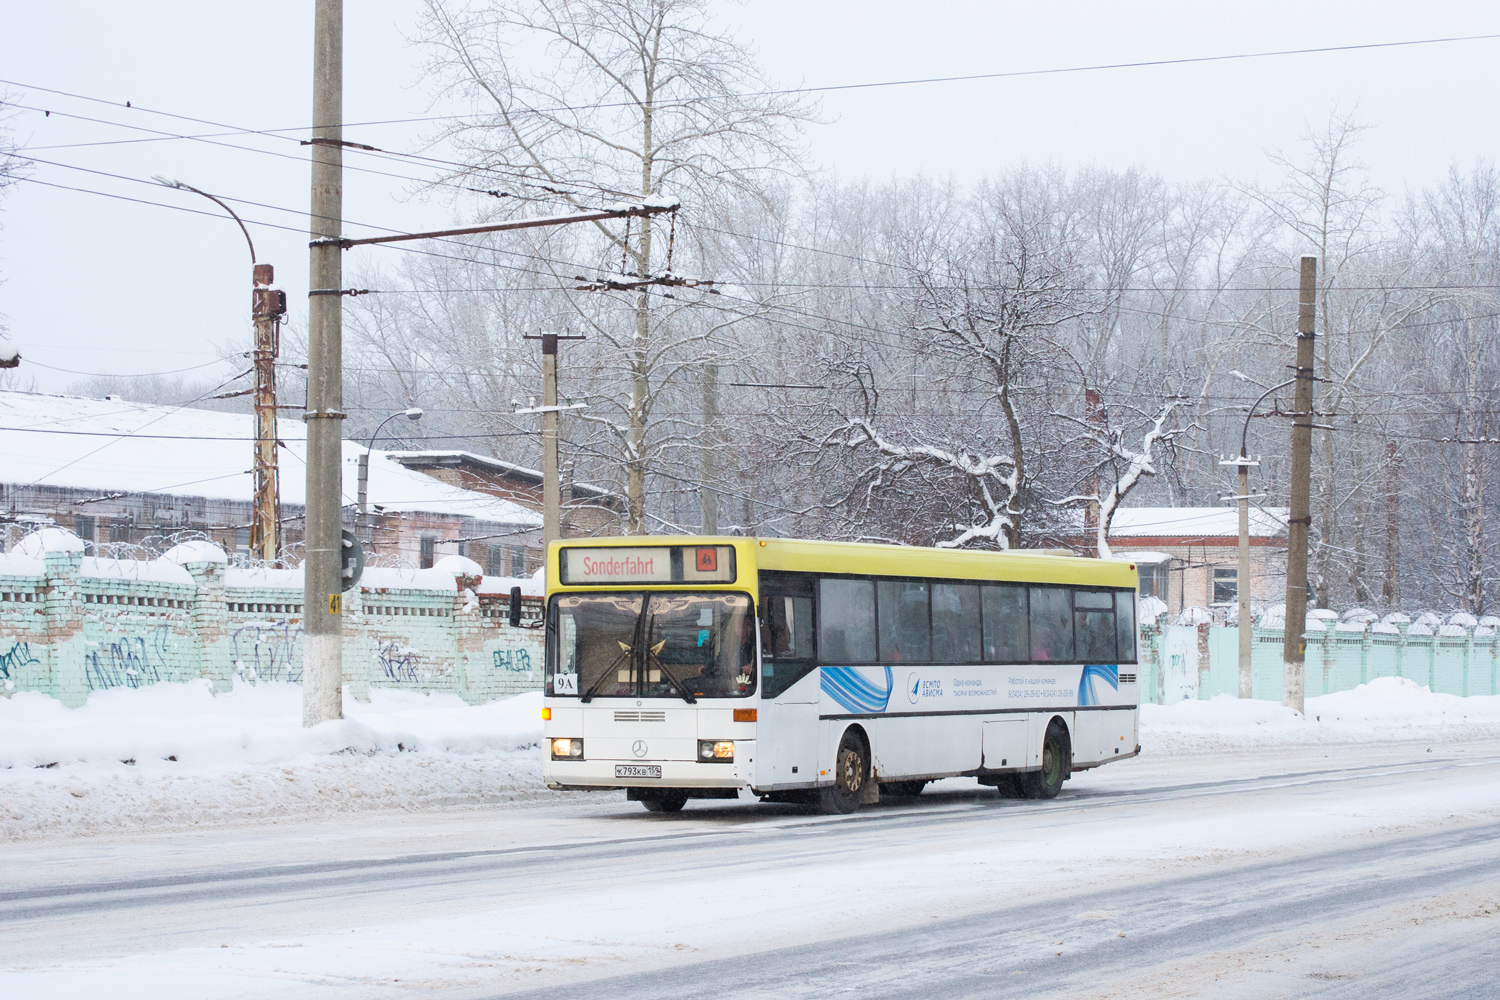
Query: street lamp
(267,306)
(1242,586)
(412,413)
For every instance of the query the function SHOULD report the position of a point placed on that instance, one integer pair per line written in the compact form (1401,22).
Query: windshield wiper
(588,695)
(651,654)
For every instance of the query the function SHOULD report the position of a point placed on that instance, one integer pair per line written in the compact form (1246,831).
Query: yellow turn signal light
(741,714)
(546,715)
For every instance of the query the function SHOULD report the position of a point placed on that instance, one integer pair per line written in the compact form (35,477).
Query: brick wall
(70,626)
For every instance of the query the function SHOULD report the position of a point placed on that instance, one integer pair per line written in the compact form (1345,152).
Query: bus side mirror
(515,607)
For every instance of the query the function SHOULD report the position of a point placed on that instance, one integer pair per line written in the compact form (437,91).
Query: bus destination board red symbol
(708,560)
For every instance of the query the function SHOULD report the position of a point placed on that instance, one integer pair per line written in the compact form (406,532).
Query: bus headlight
(567,749)
(718,751)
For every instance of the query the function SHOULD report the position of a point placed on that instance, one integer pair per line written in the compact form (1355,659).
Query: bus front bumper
(602,774)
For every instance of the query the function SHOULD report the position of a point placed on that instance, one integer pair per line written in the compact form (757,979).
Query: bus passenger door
(794,734)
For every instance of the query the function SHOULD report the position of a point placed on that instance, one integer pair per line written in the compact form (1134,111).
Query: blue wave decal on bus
(1087,693)
(854,691)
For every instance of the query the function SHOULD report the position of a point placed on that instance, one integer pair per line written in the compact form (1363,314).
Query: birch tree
(610,99)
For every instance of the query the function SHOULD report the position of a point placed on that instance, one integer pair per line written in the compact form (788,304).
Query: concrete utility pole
(322,657)
(1242,583)
(268,305)
(1294,646)
(708,498)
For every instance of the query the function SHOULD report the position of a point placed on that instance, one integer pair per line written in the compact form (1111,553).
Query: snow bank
(1385,708)
(177,756)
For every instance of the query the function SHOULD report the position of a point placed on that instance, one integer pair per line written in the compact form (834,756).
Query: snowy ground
(177,757)
(1317,857)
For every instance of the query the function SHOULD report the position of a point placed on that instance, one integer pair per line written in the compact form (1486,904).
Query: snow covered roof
(111,445)
(1195,522)
(427,457)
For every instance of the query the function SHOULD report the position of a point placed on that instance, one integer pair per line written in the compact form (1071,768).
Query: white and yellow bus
(830,672)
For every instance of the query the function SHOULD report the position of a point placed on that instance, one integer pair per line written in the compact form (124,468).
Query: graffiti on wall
(265,651)
(13,659)
(516,661)
(129,662)
(399,662)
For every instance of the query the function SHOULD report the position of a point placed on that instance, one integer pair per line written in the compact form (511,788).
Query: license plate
(637,770)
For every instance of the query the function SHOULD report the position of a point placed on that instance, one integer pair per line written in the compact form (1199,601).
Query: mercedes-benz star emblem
(638,748)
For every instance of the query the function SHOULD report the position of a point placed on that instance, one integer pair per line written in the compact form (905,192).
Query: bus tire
(1057,764)
(903,789)
(1008,786)
(851,769)
(665,803)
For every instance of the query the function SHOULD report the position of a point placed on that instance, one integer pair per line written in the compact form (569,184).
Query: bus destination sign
(583,567)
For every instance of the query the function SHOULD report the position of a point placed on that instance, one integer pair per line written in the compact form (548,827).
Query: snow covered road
(1292,870)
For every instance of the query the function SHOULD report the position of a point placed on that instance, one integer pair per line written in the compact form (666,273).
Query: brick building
(1189,556)
(586,510)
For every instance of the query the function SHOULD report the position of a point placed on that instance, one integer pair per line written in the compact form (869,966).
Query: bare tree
(612,99)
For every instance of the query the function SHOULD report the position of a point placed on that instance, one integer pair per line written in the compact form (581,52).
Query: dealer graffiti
(265,651)
(517,661)
(128,662)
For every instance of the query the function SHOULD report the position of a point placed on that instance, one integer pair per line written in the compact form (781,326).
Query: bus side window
(905,628)
(1007,633)
(846,621)
(1125,625)
(1094,625)
(788,629)
(955,623)
(1051,624)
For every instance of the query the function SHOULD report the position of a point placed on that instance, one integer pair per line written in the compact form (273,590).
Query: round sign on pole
(351,561)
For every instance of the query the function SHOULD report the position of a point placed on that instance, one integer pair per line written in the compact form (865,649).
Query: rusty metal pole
(1294,642)
(322,657)
(551,484)
(267,307)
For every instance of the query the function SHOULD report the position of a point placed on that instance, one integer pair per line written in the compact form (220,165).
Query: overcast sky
(94,284)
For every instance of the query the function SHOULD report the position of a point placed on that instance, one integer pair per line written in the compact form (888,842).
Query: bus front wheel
(1057,763)
(664,803)
(850,772)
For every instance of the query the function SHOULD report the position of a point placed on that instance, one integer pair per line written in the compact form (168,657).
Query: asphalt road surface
(1369,872)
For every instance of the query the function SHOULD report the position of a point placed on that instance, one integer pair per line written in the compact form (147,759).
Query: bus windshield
(659,644)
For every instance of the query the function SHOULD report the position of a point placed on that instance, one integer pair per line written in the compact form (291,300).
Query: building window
(429,549)
(494,556)
(1153,579)
(1226,585)
(119,531)
(242,539)
(83,527)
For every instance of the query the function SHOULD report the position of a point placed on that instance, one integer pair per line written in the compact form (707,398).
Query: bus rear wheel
(903,789)
(665,803)
(1057,763)
(850,772)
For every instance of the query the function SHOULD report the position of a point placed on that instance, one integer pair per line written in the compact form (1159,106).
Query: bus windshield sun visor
(651,645)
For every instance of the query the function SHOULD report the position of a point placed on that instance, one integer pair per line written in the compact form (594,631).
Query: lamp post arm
(1245,433)
(169,182)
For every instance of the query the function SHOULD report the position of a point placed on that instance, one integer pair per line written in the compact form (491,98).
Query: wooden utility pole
(1293,643)
(551,480)
(267,308)
(322,657)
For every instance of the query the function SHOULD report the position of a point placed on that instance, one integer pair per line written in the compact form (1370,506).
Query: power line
(833,88)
